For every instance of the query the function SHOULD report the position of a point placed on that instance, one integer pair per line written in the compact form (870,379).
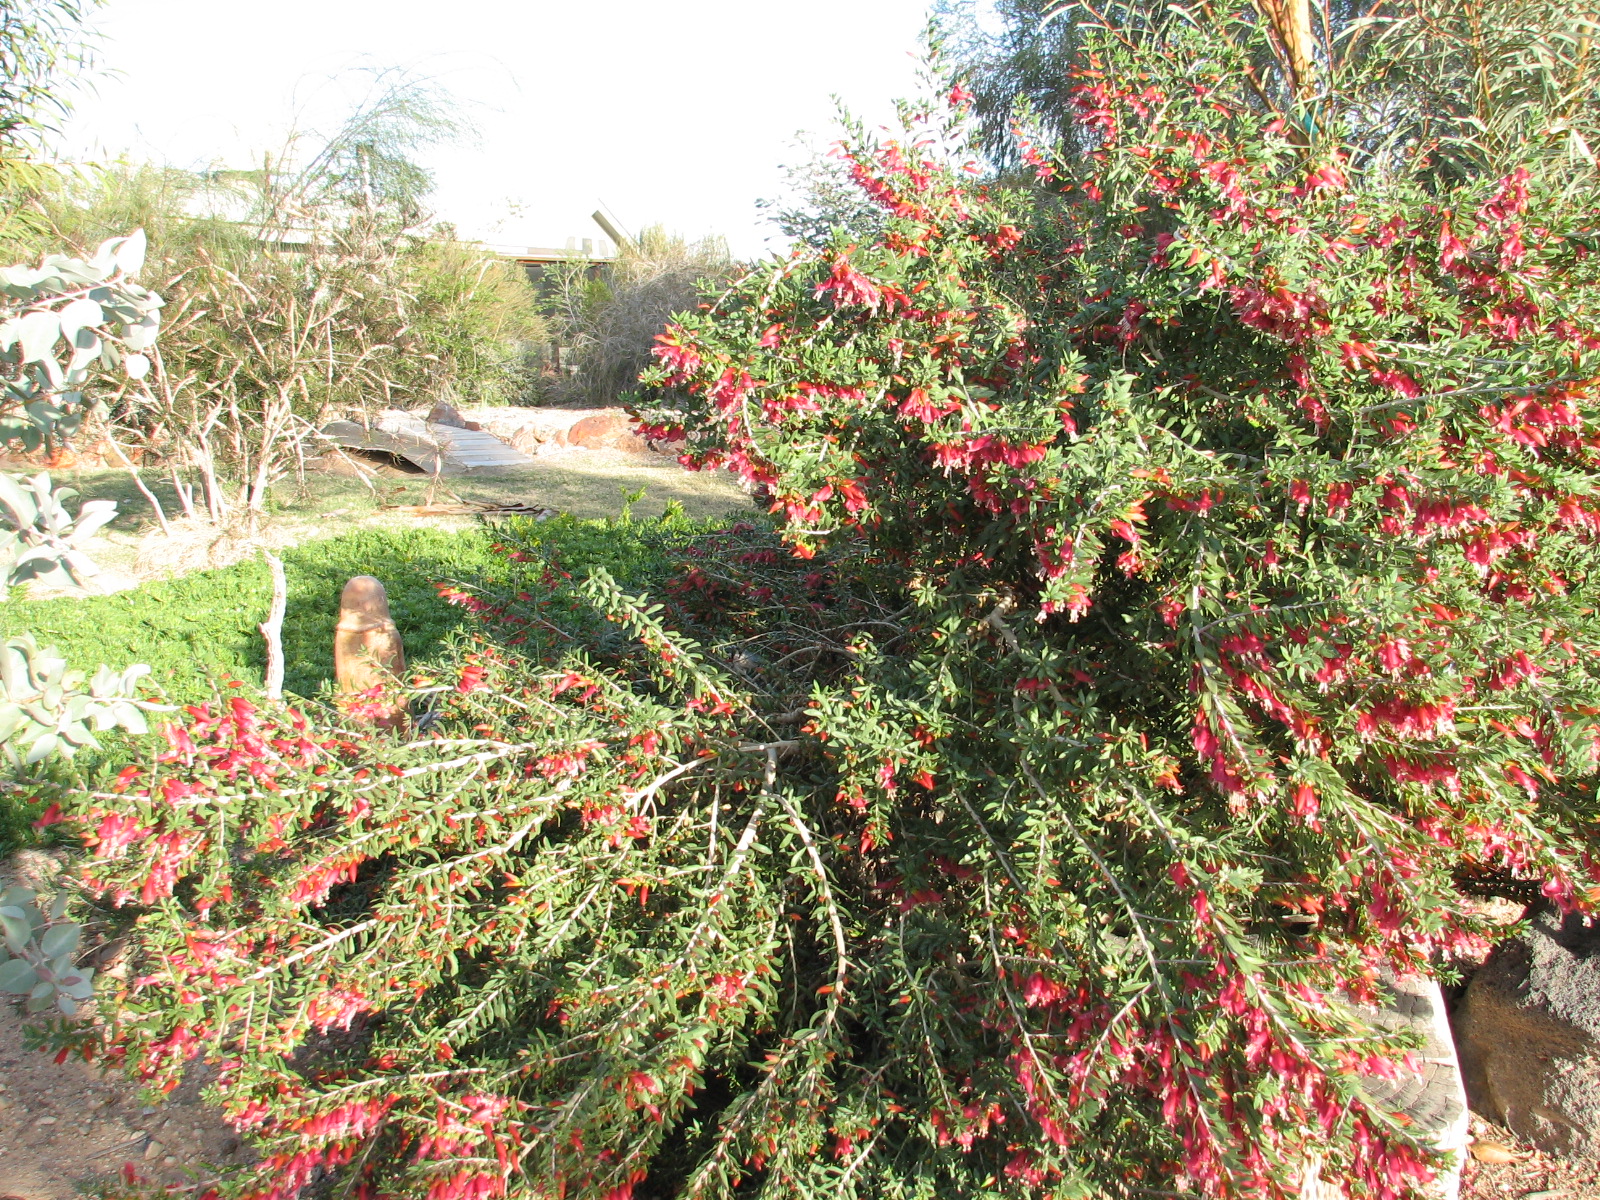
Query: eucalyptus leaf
(79,316)
(17,977)
(129,253)
(38,332)
(16,930)
(60,939)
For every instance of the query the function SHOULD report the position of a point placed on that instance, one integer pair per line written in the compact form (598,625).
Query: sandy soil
(1525,1173)
(66,1127)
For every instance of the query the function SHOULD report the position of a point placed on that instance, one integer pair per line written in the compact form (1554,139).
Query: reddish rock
(444,413)
(609,429)
(367,650)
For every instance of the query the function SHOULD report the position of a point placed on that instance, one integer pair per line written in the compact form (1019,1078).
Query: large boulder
(608,429)
(1528,1031)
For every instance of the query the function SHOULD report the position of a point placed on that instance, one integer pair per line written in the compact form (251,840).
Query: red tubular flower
(850,287)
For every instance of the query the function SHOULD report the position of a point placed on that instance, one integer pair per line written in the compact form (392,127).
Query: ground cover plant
(1184,578)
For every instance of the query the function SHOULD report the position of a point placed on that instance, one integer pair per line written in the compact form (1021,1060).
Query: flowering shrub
(1190,580)
(1245,493)
(509,954)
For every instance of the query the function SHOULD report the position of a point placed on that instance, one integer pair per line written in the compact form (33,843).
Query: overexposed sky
(675,113)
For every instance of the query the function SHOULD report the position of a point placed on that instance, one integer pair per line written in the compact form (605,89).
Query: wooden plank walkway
(444,449)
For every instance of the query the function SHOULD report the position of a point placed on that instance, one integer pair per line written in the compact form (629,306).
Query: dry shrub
(606,325)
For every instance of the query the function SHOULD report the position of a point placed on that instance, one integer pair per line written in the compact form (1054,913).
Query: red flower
(849,286)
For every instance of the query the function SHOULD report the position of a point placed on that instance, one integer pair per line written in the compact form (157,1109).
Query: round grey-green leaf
(60,939)
(16,929)
(17,977)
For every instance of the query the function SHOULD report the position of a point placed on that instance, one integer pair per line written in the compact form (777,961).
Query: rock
(1528,1029)
(444,413)
(608,429)
(367,651)
(532,439)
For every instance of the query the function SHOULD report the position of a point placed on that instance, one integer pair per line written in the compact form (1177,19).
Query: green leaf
(46,745)
(37,332)
(60,939)
(15,926)
(17,977)
(77,315)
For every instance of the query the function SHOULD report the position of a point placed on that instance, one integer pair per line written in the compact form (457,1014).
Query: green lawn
(201,629)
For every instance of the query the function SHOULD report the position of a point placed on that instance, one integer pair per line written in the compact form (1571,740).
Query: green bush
(607,323)
(1241,477)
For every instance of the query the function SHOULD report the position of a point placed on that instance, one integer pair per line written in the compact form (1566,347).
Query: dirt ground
(66,1127)
(1517,1170)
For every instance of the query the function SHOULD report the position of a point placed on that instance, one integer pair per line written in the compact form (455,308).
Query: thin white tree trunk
(272,627)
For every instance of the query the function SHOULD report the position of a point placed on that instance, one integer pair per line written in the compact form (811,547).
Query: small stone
(147,1110)
(169,1161)
(1492,1152)
(45,1121)
(153,1149)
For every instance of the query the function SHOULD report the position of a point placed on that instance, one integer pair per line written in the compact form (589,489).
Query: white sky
(673,112)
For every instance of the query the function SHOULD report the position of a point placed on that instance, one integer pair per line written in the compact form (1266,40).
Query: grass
(201,629)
